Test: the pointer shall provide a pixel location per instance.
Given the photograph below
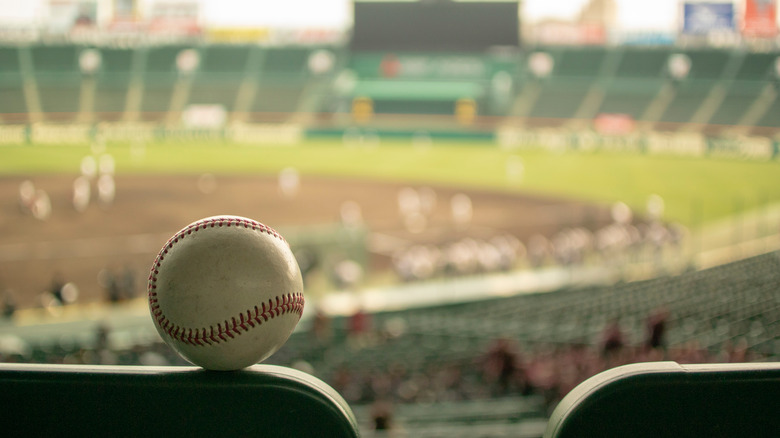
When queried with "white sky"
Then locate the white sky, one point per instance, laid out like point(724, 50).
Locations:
point(661, 15)
point(631, 14)
point(325, 13)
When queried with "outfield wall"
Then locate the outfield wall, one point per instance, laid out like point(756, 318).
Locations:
point(651, 143)
point(63, 134)
point(557, 140)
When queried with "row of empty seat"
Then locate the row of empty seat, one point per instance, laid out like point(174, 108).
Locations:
point(584, 82)
point(276, 77)
point(632, 79)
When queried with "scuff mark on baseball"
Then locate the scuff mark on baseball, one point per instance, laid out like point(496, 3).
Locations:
point(225, 292)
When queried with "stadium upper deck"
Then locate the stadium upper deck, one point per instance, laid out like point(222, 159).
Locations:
point(664, 88)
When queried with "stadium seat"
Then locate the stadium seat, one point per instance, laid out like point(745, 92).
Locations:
point(11, 92)
point(666, 399)
point(739, 96)
point(281, 81)
point(160, 77)
point(630, 95)
point(81, 400)
point(689, 96)
point(647, 63)
point(58, 80)
point(581, 61)
point(113, 82)
point(220, 76)
point(708, 64)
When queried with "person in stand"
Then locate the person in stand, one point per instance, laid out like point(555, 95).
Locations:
point(613, 341)
point(382, 415)
point(656, 330)
point(503, 366)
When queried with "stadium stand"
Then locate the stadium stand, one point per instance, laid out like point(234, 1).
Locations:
point(709, 64)
point(756, 67)
point(638, 79)
point(723, 90)
point(770, 118)
point(160, 79)
point(575, 74)
point(688, 98)
point(439, 368)
point(646, 63)
point(586, 62)
point(12, 101)
point(629, 97)
point(113, 83)
point(282, 62)
point(560, 98)
point(281, 83)
point(416, 95)
point(751, 93)
point(739, 96)
point(220, 76)
point(58, 80)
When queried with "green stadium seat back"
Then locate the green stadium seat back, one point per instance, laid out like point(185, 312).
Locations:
point(57, 58)
point(113, 81)
point(225, 59)
point(756, 66)
point(708, 63)
point(82, 400)
point(644, 63)
point(287, 61)
point(666, 399)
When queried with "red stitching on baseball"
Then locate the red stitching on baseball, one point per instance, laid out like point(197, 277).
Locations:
point(290, 303)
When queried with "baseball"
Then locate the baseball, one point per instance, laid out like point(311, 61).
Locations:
point(225, 292)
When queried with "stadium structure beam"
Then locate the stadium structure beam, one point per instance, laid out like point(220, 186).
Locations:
point(314, 93)
point(757, 110)
point(590, 105)
point(657, 106)
point(135, 89)
point(247, 91)
point(87, 99)
point(29, 86)
point(716, 96)
point(524, 102)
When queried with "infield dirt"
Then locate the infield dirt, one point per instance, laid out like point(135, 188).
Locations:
point(148, 209)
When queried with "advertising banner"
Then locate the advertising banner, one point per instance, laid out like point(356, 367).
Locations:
point(421, 66)
point(238, 35)
point(707, 18)
point(125, 10)
point(760, 19)
point(645, 38)
point(614, 124)
point(177, 18)
point(67, 16)
point(566, 34)
point(126, 21)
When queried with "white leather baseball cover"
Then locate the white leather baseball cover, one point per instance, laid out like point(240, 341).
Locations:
point(225, 292)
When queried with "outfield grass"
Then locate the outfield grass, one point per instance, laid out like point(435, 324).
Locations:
point(695, 190)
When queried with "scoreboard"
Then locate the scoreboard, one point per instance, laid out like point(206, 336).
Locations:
point(435, 25)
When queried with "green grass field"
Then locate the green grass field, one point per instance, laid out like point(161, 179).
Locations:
point(695, 190)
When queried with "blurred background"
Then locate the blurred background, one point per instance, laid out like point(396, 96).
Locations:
point(490, 201)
